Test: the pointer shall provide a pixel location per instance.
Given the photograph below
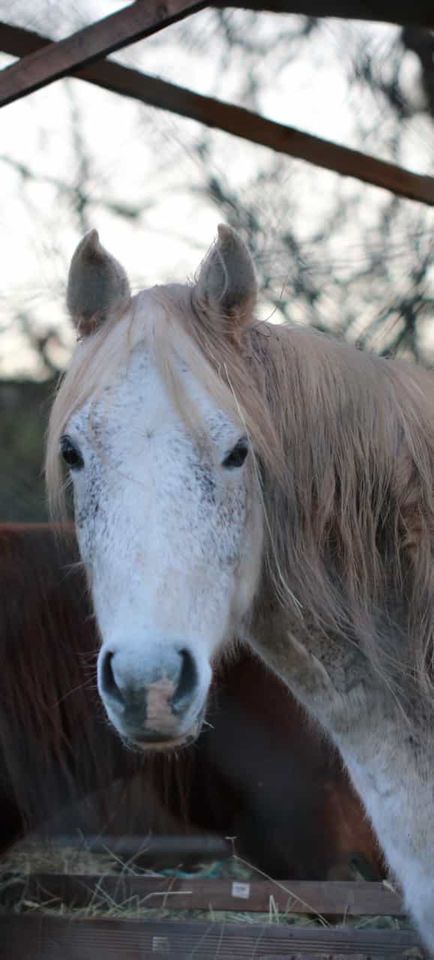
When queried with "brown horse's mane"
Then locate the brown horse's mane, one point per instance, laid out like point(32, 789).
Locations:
point(55, 747)
point(344, 445)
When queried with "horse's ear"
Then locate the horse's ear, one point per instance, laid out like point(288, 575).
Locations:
point(227, 280)
point(97, 285)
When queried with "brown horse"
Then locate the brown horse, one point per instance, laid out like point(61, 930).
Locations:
point(259, 772)
point(235, 479)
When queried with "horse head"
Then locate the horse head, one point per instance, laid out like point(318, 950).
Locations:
point(164, 478)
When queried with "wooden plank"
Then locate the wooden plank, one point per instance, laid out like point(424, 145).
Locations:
point(283, 139)
point(420, 13)
point(18, 42)
point(144, 850)
point(42, 937)
point(240, 122)
point(135, 22)
point(337, 899)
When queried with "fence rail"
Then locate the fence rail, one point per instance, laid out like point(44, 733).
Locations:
point(42, 937)
point(331, 898)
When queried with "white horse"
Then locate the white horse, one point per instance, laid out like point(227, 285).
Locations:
point(235, 480)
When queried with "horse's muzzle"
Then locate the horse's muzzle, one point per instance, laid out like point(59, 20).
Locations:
point(151, 703)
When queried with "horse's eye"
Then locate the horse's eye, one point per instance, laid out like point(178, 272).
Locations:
point(71, 453)
point(238, 454)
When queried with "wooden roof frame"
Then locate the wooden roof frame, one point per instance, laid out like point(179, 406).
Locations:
point(82, 55)
point(401, 12)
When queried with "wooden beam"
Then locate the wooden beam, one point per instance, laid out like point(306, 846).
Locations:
point(279, 137)
point(314, 898)
point(139, 20)
point(39, 936)
point(404, 12)
point(19, 42)
point(170, 849)
point(239, 122)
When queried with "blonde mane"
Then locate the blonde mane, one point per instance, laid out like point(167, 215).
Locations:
point(344, 444)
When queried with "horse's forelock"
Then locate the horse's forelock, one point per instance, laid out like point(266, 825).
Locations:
point(166, 319)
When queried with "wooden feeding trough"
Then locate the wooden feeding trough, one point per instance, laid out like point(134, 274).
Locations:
point(128, 912)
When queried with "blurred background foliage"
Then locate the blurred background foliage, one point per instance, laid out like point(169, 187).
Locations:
point(24, 406)
point(329, 251)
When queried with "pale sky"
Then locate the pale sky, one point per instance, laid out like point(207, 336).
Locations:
point(141, 155)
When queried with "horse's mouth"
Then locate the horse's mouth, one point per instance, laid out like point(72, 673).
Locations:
point(149, 742)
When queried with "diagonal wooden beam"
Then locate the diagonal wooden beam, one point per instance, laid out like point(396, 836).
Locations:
point(419, 13)
point(139, 20)
point(235, 120)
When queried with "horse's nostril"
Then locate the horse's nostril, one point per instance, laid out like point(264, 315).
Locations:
point(187, 682)
point(107, 679)
point(147, 694)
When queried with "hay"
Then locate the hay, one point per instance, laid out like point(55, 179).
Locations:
point(27, 859)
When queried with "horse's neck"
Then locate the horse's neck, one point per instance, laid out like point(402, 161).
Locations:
point(391, 764)
point(390, 758)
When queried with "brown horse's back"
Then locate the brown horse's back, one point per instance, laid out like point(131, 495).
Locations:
point(261, 772)
point(281, 784)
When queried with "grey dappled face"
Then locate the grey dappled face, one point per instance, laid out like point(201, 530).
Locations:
point(170, 531)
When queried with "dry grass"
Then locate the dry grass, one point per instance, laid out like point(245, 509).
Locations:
point(36, 858)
